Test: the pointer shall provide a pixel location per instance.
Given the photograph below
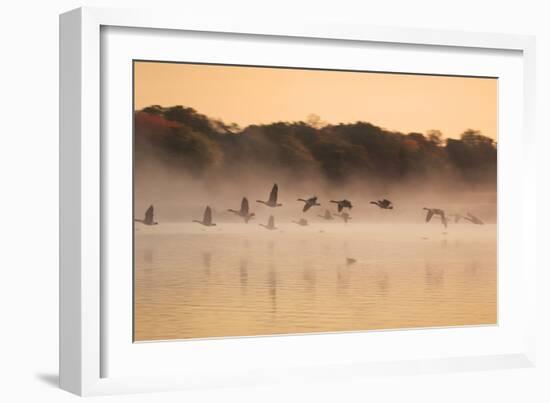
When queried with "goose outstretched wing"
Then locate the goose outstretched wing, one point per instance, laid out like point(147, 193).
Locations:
point(149, 214)
point(474, 219)
point(309, 203)
point(244, 206)
point(340, 204)
point(207, 220)
point(273, 194)
point(429, 215)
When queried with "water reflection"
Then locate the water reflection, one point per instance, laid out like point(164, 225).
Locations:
point(433, 277)
point(148, 277)
point(148, 255)
point(343, 274)
point(382, 282)
point(471, 269)
point(233, 283)
point(243, 274)
point(308, 275)
point(272, 286)
point(206, 262)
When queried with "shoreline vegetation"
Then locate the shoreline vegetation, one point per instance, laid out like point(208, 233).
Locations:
point(183, 140)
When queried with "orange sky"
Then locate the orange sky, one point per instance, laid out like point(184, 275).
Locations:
point(253, 95)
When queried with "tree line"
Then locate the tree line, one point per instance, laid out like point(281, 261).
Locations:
point(183, 139)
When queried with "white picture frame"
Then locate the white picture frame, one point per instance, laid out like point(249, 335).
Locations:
point(87, 348)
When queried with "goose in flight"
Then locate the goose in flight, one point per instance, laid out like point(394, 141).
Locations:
point(473, 219)
point(272, 202)
point(312, 201)
point(344, 216)
point(244, 211)
point(384, 203)
point(149, 217)
point(270, 224)
point(327, 215)
point(302, 222)
point(207, 218)
point(342, 204)
point(438, 212)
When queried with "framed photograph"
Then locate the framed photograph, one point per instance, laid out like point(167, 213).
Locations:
point(245, 202)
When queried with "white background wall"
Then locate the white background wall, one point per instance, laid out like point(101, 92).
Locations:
point(29, 201)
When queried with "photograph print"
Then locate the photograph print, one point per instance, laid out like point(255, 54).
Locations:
point(275, 201)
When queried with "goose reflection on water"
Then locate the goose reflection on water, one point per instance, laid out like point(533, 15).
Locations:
point(343, 275)
point(272, 286)
point(206, 262)
point(382, 282)
point(270, 224)
point(327, 215)
point(434, 277)
point(309, 276)
point(148, 255)
point(471, 270)
point(243, 273)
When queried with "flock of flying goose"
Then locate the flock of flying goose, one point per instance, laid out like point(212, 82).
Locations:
point(246, 215)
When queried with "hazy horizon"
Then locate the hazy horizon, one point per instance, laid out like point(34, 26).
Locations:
point(263, 95)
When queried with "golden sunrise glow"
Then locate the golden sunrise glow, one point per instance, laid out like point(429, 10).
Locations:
point(253, 95)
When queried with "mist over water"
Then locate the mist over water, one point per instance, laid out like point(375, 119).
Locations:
point(239, 279)
point(183, 198)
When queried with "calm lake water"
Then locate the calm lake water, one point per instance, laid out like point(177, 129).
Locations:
point(242, 280)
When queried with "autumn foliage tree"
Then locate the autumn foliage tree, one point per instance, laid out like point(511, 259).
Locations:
point(183, 139)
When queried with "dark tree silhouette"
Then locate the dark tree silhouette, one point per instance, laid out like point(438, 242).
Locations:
point(184, 139)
